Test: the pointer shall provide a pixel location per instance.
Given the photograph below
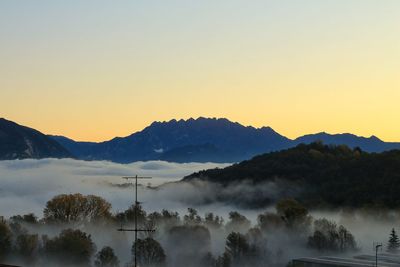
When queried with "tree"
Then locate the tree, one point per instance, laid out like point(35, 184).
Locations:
point(325, 236)
point(149, 252)
point(192, 218)
point(76, 208)
point(213, 221)
point(27, 218)
point(346, 240)
point(269, 221)
point(193, 241)
point(294, 214)
point(318, 241)
point(73, 247)
point(165, 220)
point(223, 261)
point(26, 246)
point(328, 237)
point(106, 258)
point(237, 222)
point(237, 247)
point(5, 239)
point(393, 243)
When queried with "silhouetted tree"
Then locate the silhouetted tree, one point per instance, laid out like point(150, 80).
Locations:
point(192, 218)
point(73, 247)
point(237, 247)
point(29, 218)
point(294, 214)
point(213, 221)
point(237, 223)
point(393, 243)
point(164, 220)
point(327, 237)
point(269, 221)
point(223, 261)
point(27, 247)
point(318, 241)
point(346, 240)
point(149, 253)
point(106, 258)
point(5, 239)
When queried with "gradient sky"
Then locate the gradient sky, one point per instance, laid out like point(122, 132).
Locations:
point(92, 70)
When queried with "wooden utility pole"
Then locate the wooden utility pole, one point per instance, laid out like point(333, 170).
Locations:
point(136, 230)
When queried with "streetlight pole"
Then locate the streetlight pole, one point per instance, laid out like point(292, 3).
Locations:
point(377, 246)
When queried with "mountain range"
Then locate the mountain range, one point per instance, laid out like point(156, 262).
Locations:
point(192, 140)
point(20, 142)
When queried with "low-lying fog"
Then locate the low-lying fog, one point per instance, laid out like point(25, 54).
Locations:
point(26, 186)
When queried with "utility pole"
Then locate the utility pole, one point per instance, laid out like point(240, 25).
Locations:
point(136, 230)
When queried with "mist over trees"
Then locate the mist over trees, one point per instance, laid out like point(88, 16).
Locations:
point(187, 240)
point(321, 176)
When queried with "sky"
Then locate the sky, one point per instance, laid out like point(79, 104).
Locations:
point(92, 70)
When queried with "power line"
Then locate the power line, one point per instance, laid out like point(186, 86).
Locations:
point(136, 229)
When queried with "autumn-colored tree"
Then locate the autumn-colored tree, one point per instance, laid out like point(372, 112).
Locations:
point(74, 208)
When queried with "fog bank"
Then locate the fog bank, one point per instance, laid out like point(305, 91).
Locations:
point(26, 185)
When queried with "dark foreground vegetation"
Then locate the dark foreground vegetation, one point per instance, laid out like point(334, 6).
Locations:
point(319, 175)
point(62, 237)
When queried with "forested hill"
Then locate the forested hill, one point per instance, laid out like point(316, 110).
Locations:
point(324, 175)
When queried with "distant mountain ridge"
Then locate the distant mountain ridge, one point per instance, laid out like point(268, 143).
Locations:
point(200, 140)
point(369, 144)
point(20, 142)
point(205, 140)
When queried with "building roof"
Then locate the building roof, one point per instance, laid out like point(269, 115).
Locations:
point(357, 261)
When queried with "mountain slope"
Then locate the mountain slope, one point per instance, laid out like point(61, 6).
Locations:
point(19, 142)
point(322, 175)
